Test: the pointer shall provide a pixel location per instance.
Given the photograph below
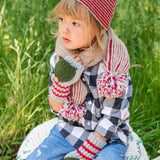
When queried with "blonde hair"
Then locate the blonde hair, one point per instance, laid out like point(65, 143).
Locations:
point(75, 9)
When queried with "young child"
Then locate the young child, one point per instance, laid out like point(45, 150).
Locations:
point(90, 88)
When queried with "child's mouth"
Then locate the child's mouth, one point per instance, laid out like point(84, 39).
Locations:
point(66, 40)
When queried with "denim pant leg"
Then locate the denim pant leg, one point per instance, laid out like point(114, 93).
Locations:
point(54, 147)
point(113, 151)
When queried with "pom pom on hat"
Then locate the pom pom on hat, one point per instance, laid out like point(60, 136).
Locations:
point(102, 10)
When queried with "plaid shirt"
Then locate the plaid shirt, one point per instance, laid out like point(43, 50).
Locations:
point(109, 117)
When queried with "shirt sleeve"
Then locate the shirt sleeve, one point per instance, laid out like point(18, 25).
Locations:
point(53, 61)
point(114, 112)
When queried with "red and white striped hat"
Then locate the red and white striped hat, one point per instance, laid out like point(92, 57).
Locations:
point(102, 10)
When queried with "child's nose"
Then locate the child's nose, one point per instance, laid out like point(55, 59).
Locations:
point(66, 28)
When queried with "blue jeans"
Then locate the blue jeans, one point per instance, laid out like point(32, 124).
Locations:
point(113, 151)
point(55, 147)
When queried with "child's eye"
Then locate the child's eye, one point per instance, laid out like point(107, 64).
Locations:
point(75, 24)
point(61, 19)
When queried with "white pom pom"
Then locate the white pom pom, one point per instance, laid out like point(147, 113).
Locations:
point(111, 85)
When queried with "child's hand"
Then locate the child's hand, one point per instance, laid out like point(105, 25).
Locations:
point(67, 72)
point(55, 105)
point(77, 58)
point(93, 144)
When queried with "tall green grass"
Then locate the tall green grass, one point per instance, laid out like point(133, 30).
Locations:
point(26, 45)
point(138, 25)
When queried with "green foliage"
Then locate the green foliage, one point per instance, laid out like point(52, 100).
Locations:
point(26, 45)
point(137, 24)
point(25, 48)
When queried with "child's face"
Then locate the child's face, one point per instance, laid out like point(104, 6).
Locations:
point(72, 32)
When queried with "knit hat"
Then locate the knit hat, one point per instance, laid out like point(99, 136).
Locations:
point(102, 10)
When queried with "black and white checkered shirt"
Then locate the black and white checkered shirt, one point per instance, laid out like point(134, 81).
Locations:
point(109, 117)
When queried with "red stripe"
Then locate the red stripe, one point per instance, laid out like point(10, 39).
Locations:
point(83, 155)
point(103, 10)
point(100, 13)
point(127, 67)
point(58, 94)
point(101, 16)
point(89, 151)
point(91, 144)
point(61, 91)
point(60, 85)
point(110, 53)
point(117, 67)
